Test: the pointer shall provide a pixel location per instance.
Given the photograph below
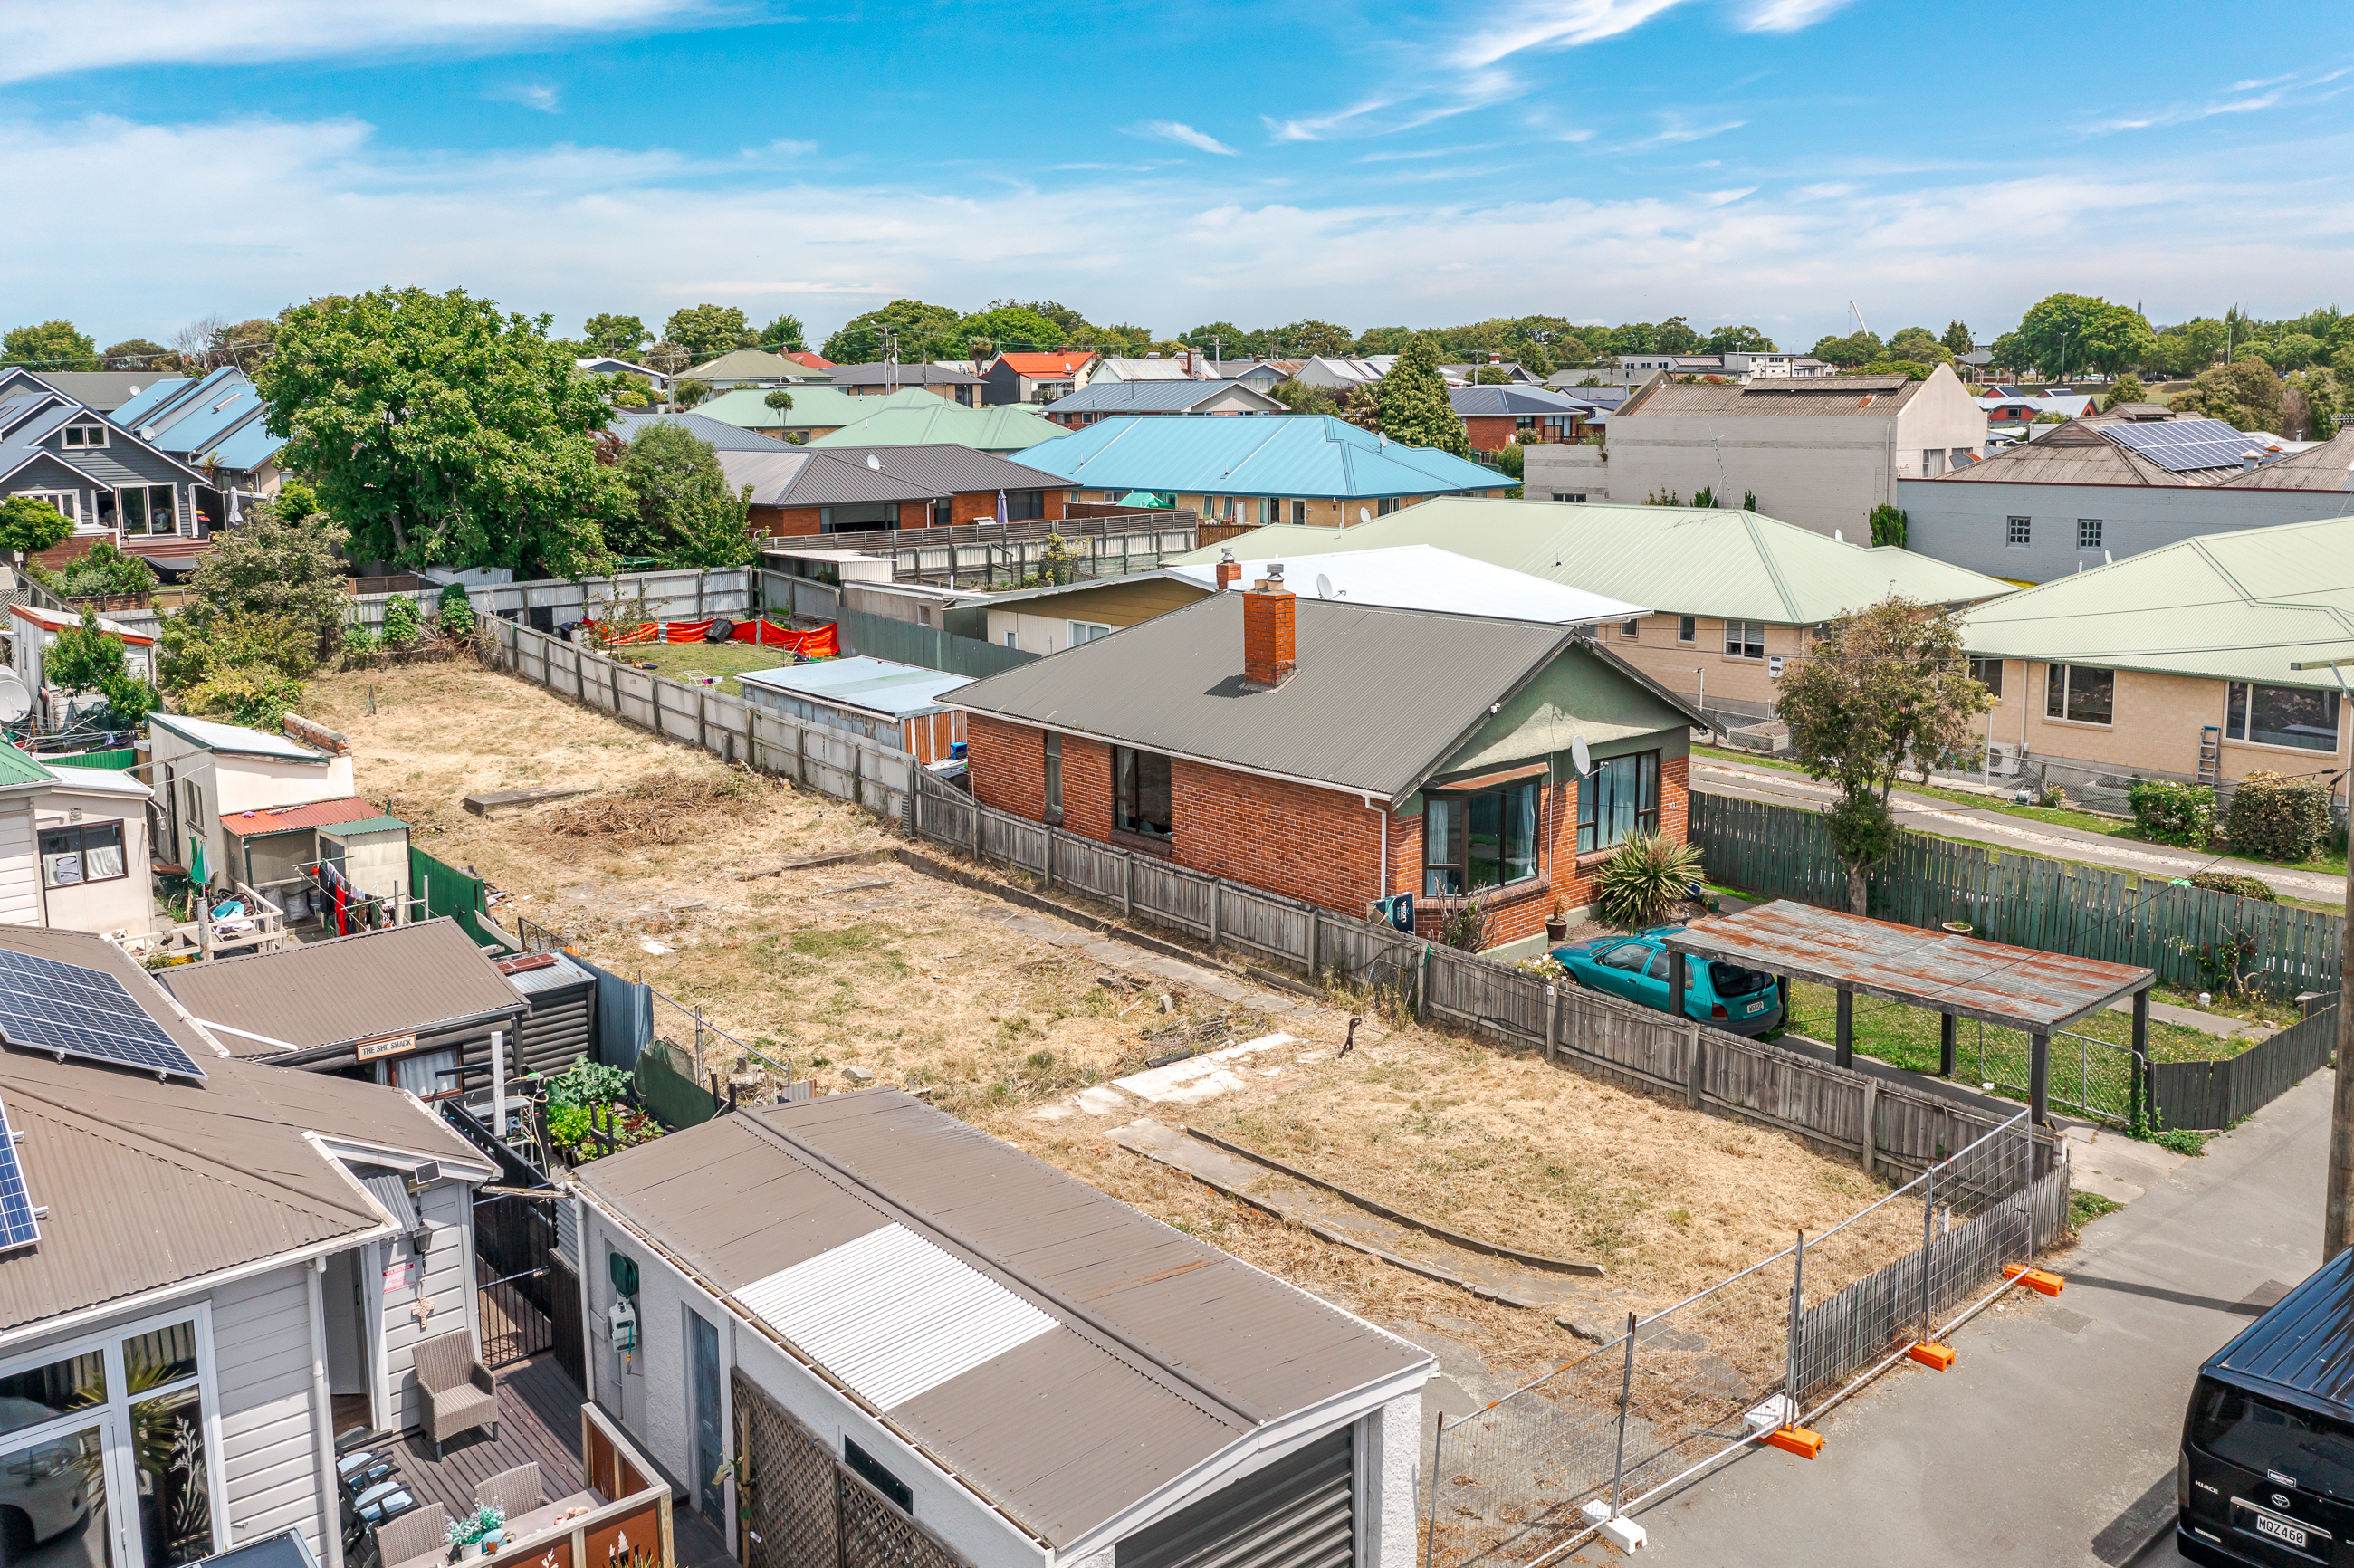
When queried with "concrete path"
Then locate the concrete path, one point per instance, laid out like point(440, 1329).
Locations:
point(2052, 1440)
point(1927, 814)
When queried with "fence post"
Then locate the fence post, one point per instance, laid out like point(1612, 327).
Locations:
point(1928, 1240)
point(801, 754)
point(1870, 1126)
point(1315, 937)
point(1127, 884)
point(1797, 1318)
point(698, 1020)
point(1626, 1397)
point(1695, 1065)
point(1217, 909)
point(976, 829)
point(2140, 1056)
point(1944, 1044)
point(1553, 1023)
point(1430, 1537)
point(1050, 860)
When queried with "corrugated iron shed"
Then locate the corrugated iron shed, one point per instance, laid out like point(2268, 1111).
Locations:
point(2018, 987)
point(1157, 1351)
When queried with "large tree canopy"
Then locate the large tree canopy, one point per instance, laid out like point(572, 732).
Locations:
point(620, 337)
point(922, 331)
point(707, 331)
point(1413, 404)
point(683, 512)
point(443, 432)
point(2067, 333)
point(784, 335)
point(50, 345)
point(1004, 328)
point(2245, 395)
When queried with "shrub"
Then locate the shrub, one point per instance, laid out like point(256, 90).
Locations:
point(455, 611)
point(105, 570)
point(401, 621)
point(2278, 819)
point(586, 1082)
point(1888, 524)
point(1644, 882)
point(251, 695)
point(2171, 813)
point(2231, 882)
point(1468, 926)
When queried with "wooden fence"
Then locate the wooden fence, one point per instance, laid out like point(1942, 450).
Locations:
point(830, 761)
point(684, 595)
point(2209, 1095)
point(1893, 1130)
point(2027, 900)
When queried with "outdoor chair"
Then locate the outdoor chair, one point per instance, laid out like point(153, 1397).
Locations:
point(421, 1532)
point(459, 1395)
point(513, 1492)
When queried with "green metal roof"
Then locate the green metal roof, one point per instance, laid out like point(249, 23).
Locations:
point(18, 770)
point(814, 408)
point(365, 825)
point(915, 417)
point(1679, 559)
point(2241, 606)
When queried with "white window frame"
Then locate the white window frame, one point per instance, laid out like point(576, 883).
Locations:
point(113, 1417)
point(147, 504)
point(66, 502)
point(84, 429)
point(1088, 630)
point(1630, 628)
point(1737, 640)
point(2017, 533)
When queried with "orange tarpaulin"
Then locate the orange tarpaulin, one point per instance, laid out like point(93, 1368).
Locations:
point(825, 643)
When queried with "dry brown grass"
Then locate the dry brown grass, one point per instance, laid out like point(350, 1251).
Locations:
point(924, 983)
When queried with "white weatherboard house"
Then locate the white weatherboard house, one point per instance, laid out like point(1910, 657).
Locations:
point(204, 1256)
point(933, 1350)
point(73, 847)
point(206, 771)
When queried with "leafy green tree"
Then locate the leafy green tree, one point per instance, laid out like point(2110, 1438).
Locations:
point(620, 337)
point(1956, 340)
point(1847, 353)
point(1491, 376)
point(1888, 684)
point(48, 346)
point(202, 644)
point(707, 331)
point(2127, 388)
point(139, 354)
point(2293, 352)
point(688, 392)
point(103, 569)
point(2084, 332)
point(454, 611)
point(1227, 340)
point(86, 659)
point(1301, 397)
point(443, 432)
point(1415, 409)
point(28, 526)
point(1889, 526)
point(1737, 340)
point(1126, 340)
point(1920, 345)
point(922, 331)
point(1004, 329)
point(2311, 401)
point(1912, 368)
point(2009, 353)
point(1308, 336)
point(784, 335)
point(2245, 395)
point(1675, 335)
point(782, 401)
point(683, 510)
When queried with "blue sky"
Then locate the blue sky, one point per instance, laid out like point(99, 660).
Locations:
point(1168, 162)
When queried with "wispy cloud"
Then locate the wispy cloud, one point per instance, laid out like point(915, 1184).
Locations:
point(1553, 24)
point(53, 40)
point(1674, 131)
point(1184, 135)
point(547, 99)
point(1788, 16)
point(2241, 97)
point(1396, 157)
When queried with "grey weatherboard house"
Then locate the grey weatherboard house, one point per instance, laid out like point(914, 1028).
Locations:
point(107, 481)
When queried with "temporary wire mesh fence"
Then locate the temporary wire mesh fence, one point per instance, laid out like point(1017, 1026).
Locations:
point(1718, 1372)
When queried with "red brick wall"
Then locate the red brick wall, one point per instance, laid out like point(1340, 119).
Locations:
point(68, 550)
point(1491, 433)
point(980, 506)
point(784, 520)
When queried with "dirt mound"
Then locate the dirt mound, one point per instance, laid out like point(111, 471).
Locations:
point(664, 808)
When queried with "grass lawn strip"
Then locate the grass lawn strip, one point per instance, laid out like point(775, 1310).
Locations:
point(727, 660)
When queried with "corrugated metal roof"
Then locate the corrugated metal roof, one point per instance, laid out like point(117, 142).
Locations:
point(15, 768)
point(946, 470)
point(366, 825)
point(1492, 401)
point(561, 975)
point(1269, 454)
point(727, 435)
point(236, 739)
point(2237, 606)
point(922, 373)
point(152, 1184)
point(1177, 396)
point(892, 1315)
point(1381, 695)
point(919, 419)
point(1685, 560)
point(390, 1188)
point(2020, 988)
point(151, 396)
point(876, 685)
point(58, 621)
point(815, 407)
point(1778, 397)
point(2075, 453)
point(287, 819)
point(1166, 1352)
point(1065, 362)
point(796, 476)
point(2330, 466)
point(746, 363)
point(407, 979)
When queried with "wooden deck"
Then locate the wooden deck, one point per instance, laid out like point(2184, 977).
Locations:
point(539, 1419)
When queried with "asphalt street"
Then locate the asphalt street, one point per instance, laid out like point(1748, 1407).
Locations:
point(1927, 814)
point(2052, 1440)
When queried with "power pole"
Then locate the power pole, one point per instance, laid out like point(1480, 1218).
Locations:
point(2337, 1216)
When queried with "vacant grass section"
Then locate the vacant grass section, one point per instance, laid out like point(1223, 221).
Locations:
point(921, 983)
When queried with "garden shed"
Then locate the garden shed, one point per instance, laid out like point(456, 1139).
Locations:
point(561, 1024)
point(1948, 972)
point(893, 704)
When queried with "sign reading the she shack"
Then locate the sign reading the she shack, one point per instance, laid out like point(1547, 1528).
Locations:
point(390, 1045)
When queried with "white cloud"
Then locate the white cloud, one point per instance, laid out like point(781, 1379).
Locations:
point(1675, 131)
point(576, 229)
point(547, 99)
point(51, 40)
point(1554, 25)
point(2297, 88)
point(1788, 16)
point(1184, 135)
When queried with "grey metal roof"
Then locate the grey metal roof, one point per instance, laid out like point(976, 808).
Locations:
point(727, 438)
point(409, 978)
point(920, 375)
point(561, 975)
point(1381, 697)
point(949, 470)
point(1488, 402)
point(1119, 1353)
point(2330, 466)
point(783, 475)
point(1817, 396)
point(871, 685)
point(2075, 453)
point(153, 1183)
point(1174, 396)
point(2019, 988)
point(390, 1188)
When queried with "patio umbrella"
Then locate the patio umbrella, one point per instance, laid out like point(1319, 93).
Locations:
point(1001, 509)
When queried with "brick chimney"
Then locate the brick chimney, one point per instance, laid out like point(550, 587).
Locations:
point(1268, 658)
point(1230, 571)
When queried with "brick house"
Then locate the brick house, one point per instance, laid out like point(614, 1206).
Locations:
point(1340, 753)
point(1496, 417)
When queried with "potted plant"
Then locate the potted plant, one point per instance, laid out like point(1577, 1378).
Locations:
point(476, 1533)
point(1557, 919)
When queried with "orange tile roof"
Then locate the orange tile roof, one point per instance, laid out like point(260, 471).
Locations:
point(286, 819)
point(812, 358)
point(1065, 362)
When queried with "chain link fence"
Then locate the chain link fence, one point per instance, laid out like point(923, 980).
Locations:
point(1534, 1474)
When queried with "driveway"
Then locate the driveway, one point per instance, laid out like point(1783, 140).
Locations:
point(2052, 1440)
point(1926, 814)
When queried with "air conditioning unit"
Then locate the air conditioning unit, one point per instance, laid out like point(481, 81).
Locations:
point(2002, 761)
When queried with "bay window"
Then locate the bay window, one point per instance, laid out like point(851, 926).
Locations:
point(1474, 840)
point(2282, 715)
point(1617, 801)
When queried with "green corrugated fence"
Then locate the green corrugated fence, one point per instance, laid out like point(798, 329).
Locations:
point(666, 1081)
point(2027, 900)
point(113, 761)
point(445, 890)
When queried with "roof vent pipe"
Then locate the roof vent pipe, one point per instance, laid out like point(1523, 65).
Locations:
point(1230, 571)
point(2247, 461)
point(1270, 646)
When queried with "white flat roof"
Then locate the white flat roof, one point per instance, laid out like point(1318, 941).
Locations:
point(877, 685)
point(1424, 577)
point(236, 739)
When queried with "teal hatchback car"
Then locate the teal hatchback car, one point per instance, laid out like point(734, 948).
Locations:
point(1745, 1002)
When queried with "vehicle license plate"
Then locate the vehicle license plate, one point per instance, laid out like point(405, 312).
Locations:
point(2281, 1530)
point(1756, 1007)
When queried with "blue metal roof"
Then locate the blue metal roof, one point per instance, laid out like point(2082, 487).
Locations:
point(128, 414)
point(1271, 454)
point(245, 449)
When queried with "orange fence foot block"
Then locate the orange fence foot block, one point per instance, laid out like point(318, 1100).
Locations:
point(1937, 1357)
point(1796, 1440)
point(2035, 1279)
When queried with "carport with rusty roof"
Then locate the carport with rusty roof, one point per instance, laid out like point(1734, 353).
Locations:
point(1951, 974)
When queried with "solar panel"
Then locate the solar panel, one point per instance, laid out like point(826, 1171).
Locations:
point(17, 1226)
point(77, 1012)
point(2184, 446)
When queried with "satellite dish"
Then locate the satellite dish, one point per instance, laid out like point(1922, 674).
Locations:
point(16, 702)
point(1581, 756)
point(1323, 586)
point(1365, 513)
point(872, 462)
